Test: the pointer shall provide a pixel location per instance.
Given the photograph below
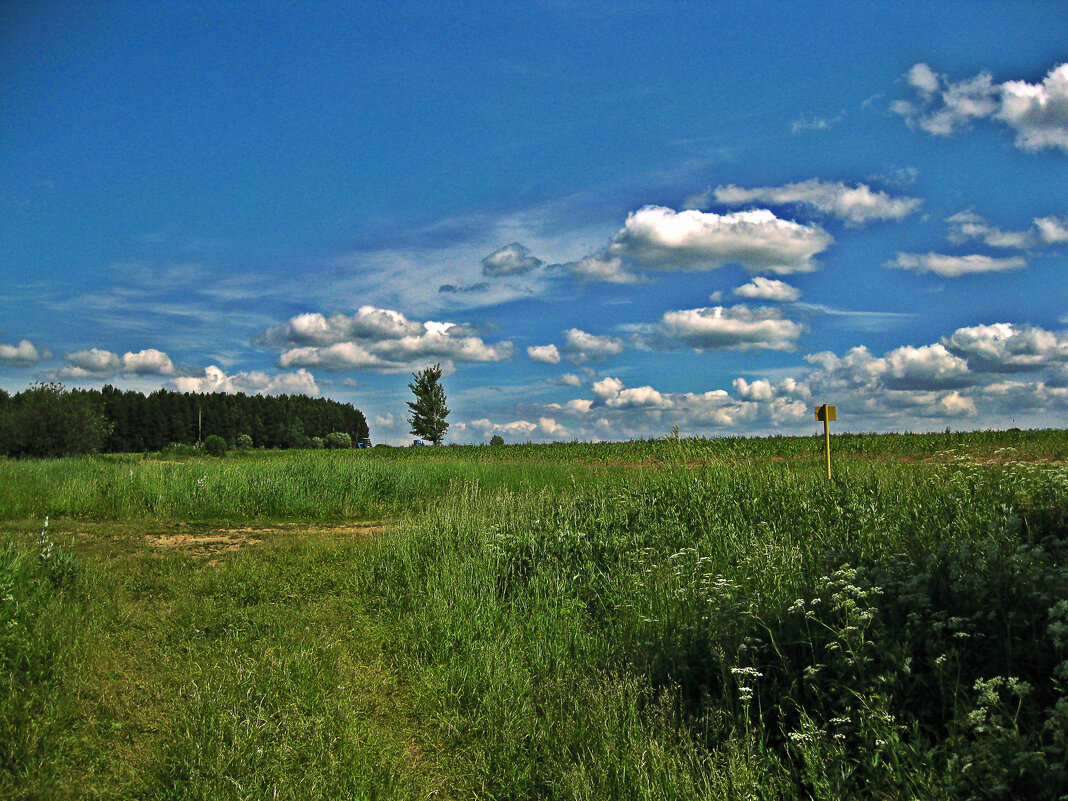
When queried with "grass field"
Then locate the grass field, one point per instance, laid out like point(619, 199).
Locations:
point(670, 619)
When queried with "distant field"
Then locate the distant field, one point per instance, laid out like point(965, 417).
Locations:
point(664, 619)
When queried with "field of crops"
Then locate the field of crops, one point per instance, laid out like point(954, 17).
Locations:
point(671, 619)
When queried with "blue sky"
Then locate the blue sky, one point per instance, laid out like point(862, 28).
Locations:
point(602, 219)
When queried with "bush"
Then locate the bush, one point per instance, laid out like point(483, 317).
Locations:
point(316, 443)
point(215, 445)
point(496, 439)
point(338, 439)
point(244, 442)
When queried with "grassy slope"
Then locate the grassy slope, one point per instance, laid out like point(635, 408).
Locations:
point(542, 627)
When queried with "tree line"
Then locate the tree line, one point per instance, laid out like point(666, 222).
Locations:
point(48, 420)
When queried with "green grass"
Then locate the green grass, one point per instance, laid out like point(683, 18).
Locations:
point(670, 619)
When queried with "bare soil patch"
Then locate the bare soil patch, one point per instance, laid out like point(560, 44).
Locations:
point(217, 541)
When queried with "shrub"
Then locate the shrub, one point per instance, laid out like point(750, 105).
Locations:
point(316, 443)
point(496, 439)
point(215, 445)
point(244, 442)
point(338, 439)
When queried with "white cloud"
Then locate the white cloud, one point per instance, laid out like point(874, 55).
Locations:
point(759, 390)
point(805, 123)
point(520, 429)
point(313, 328)
point(856, 205)
point(967, 225)
point(93, 360)
point(256, 382)
point(148, 362)
point(380, 340)
point(513, 259)
point(1008, 347)
point(1036, 112)
point(1052, 230)
point(660, 238)
point(955, 266)
point(923, 78)
point(551, 428)
point(638, 398)
point(601, 267)
point(926, 368)
point(607, 387)
point(761, 288)
point(96, 362)
point(566, 380)
point(24, 354)
point(731, 328)
point(581, 347)
point(544, 354)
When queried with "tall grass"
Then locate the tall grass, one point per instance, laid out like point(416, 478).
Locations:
point(746, 633)
point(562, 624)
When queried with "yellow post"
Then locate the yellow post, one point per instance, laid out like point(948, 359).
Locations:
point(827, 413)
point(827, 445)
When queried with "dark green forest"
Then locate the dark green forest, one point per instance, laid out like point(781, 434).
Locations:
point(49, 420)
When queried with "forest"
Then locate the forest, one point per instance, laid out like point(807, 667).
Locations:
point(48, 420)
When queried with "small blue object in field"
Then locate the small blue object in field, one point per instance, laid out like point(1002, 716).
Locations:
point(417, 442)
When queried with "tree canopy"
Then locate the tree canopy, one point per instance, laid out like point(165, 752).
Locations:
point(48, 420)
point(428, 409)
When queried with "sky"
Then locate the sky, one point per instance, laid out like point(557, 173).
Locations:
point(602, 219)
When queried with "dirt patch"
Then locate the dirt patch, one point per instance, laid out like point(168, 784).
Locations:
point(213, 543)
point(205, 544)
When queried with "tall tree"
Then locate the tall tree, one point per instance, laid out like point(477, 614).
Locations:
point(428, 409)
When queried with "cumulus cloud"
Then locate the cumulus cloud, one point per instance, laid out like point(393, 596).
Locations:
point(380, 340)
point(928, 367)
point(660, 238)
point(581, 347)
point(761, 288)
point(544, 354)
point(632, 409)
point(1008, 347)
point(97, 363)
point(520, 429)
point(566, 380)
point(922, 78)
point(1052, 230)
point(148, 362)
point(215, 379)
point(601, 267)
point(737, 327)
point(313, 328)
point(955, 266)
point(856, 205)
point(759, 390)
point(962, 377)
point(1036, 112)
point(513, 259)
point(24, 354)
point(966, 225)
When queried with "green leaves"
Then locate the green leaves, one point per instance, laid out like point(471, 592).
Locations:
point(428, 409)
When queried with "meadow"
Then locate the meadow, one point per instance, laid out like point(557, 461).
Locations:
point(670, 619)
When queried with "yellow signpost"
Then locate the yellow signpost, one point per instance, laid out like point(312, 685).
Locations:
point(827, 414)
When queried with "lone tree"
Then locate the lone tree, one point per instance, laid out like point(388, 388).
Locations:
point(428, 409)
